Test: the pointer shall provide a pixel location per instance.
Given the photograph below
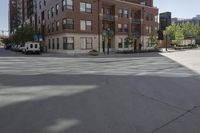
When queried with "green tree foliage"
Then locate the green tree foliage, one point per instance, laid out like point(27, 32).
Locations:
point(197, 31)
point(129, 40)
point(154, 40)
point(179, 37)
point(6, 41)
point(178, 32)
point(171, 31)
point(189, 30)
point(23, 34)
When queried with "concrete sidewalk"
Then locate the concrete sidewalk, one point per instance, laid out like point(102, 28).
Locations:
point(188, 58)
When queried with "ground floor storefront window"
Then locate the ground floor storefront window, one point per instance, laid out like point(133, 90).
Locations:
point(68, 43)
point(86, 42)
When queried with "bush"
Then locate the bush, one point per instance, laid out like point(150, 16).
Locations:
point(93, 52)
point(139, 51)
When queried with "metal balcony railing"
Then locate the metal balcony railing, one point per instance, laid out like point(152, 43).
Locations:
point(108, 17)
point(136, 33)
point(136, 21)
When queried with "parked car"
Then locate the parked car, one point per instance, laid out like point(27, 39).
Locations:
point(7, 46)
point(18, 48)
point(21, 48)
point(31, 48)
point(13, 47)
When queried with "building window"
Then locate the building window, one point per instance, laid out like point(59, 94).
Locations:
point(53, 44)
point(108, 11)
point(86, 42)
point(149, 17)
point(156, 29)
point(52, 27)
point(49, 44)
point(49, 13)
point(125, 13)
point(156, 18)
point(48, 28)
point(45, 2)
point(52, 11)
point(57, 25)
point(120, 27)
point(40, 4)
point(57, 9)
point(143, 3)
point(125, 27)
point(120, 13)
point(68, 43)
point(68, 4)
point(125, 44)
point(39, 20)
point(68, 23)
point(58, 44)
point(120, 43)
point(85, 7)
point(148, 29)
point(39, 30)
point(86, 25)
point(102, 10)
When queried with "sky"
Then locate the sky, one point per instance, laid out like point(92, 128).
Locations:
point(4, 15)
point(179, 8)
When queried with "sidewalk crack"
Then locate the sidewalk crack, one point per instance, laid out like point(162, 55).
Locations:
point(176, 118)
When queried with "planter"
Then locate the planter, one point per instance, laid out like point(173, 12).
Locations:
point(94, 53)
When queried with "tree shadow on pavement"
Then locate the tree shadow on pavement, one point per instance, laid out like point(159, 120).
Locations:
point(59, 103)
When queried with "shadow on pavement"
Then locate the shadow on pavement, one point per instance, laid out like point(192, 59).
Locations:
point(52, 103)
point(8, 53)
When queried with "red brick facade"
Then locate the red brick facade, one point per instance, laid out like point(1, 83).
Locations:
point(90, 18)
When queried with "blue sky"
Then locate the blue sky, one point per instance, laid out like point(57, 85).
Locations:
point(4, 15)
point(179, 8)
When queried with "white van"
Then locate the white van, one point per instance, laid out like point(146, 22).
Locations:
point(31, 48)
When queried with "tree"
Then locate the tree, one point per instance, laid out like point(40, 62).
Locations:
point(129, 40)
point(6, 41)
point(23, 34)
point(189, 30)
point(171, 31)
point(154, 40)
point(197, 31)
point(179, 37)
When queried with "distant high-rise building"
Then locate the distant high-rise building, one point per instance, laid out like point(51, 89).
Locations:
point(165, 20)
point(22, 12)
point(194, 20)
point(15, 14)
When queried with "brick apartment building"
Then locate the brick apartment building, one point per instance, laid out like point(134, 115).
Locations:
point(77, 26)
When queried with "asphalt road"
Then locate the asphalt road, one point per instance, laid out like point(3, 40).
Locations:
point(142, 93)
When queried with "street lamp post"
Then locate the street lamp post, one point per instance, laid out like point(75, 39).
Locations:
point(166, 38)
point(107, 34)
point(142, 26)
point(108, 45)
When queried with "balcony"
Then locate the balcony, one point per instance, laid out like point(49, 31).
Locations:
point(136, 21)
point(108, 33)
point(136, 34)
point(108, 17)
